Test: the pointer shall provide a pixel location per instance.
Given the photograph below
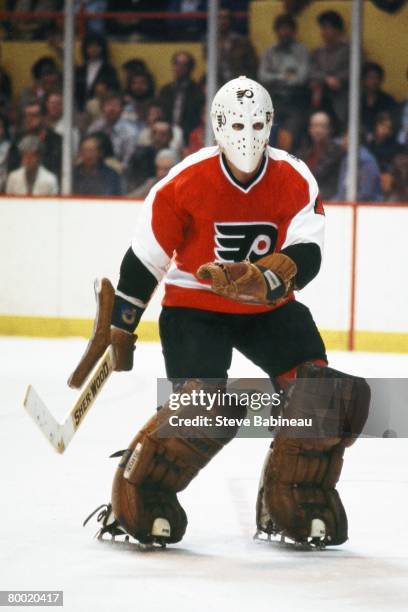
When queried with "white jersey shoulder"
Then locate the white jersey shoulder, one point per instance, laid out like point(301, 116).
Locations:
point(188, 162)
point(306, 226)
point(298, 165)
point(144, 243)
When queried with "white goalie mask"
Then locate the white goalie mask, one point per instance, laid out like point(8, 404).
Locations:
point(242, 116)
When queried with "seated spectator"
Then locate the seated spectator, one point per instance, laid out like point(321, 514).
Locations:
point(236, 54)
point(369, 177)
point(31, 178)
point(131, 67)
point(108, 155)
point(330, 67)
point(5, 90)
point(35, 28)
point(164, 161)
point(383, 143)
point(395, 182)
point(182, 98)
point(122, 133)
point(155, 113)
point(322, 154)
point(284, 71)
point(138, 96)
point(33, 124)
point(142, 162)
point(186, 29)
point(53, 110)
point(92, 176)
point(4, 149)
point(93, 107)
point(46, 77)
point(95, 65)
point(373, 99)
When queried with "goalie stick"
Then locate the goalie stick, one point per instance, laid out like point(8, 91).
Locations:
point(93, 370)
point(60, 435)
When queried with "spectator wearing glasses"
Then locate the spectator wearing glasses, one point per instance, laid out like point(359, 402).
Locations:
point(53, 109)
point(33, 124)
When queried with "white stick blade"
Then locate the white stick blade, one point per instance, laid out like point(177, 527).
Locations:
point(44, 419)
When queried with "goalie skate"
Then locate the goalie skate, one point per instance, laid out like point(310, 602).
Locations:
point(109, 525)
point(317, 539)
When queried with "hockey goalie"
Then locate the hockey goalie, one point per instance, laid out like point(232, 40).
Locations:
point(243, 224)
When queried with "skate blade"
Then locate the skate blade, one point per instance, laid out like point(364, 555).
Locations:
point(281, 541)
point(131, 544)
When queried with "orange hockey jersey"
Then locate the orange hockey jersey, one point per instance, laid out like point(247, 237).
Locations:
point(199, 213)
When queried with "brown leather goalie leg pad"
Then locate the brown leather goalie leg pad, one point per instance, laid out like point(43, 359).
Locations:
point(161, 461)
point(297, 488)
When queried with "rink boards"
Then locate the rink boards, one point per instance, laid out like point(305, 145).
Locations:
point(51, 250)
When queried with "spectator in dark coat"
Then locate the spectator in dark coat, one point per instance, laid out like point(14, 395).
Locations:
point(34, 125)
point(142, 163)
point(322, 154)
point(373, 99)
point(284, 71)
point(92, 176)
point(182, 99)
point(330, 67)
point(383, 144)
point(95, 65)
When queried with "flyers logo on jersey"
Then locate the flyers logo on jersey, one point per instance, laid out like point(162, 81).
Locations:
point(239, 241)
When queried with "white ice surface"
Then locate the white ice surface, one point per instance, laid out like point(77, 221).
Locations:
point(44, 498)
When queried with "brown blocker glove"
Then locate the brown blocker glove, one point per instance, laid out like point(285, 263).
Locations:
point(122, 341)
point(268, 281)
point(123, 344)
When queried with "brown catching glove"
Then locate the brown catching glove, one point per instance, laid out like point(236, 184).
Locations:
point(268, 281)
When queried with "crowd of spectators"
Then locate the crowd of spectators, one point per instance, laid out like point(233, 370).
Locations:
point(128, 133)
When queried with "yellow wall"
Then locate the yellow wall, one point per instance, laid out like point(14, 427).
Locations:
point(385, 36)
point(18, 57)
